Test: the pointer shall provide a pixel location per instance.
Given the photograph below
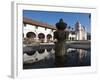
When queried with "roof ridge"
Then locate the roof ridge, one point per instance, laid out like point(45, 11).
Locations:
point(37, 23)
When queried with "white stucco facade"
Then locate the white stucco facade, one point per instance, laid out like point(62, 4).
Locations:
point(78, 32)
point(37, 30)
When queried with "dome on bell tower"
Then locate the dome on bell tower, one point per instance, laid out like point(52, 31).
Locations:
point(77, 26)
point(77, 22)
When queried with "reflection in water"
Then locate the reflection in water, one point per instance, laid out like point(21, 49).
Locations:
point(78, 57)
point(82, 54)
point(74, 57)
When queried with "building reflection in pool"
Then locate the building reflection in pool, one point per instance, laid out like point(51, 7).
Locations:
point(82, 54)
point(74, 57)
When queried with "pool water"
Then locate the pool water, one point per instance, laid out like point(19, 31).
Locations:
point(74, 58)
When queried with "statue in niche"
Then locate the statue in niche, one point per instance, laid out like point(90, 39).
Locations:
point(60, 37)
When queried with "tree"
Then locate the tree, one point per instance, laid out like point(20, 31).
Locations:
point(69, 27)
point(72, 29)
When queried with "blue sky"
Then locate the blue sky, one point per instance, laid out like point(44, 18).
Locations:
point(53, 17)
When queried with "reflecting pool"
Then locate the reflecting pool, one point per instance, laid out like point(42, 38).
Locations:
point(74, 58)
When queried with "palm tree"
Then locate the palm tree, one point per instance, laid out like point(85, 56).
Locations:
point(90, 20)
point(69, 27)
point(89, 16)
point(72, 29)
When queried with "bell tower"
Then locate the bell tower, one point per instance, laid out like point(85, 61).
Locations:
point(78, 30)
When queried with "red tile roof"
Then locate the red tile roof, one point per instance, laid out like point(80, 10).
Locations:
point(37, 23)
